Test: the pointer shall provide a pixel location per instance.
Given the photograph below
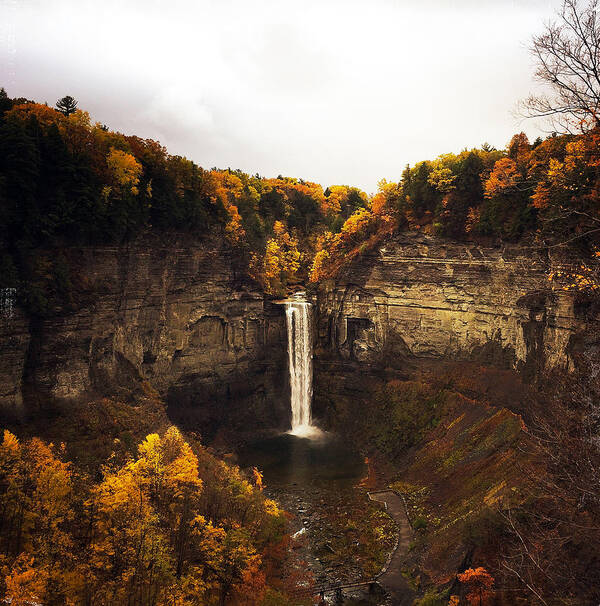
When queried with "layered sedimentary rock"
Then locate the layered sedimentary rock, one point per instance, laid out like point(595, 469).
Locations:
point(177, 316)
point(426, 298)
point(14, 345)
point(180, 317)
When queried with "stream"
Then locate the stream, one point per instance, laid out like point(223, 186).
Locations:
point(339, 535)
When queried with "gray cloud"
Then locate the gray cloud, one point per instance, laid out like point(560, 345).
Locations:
point(333, 91)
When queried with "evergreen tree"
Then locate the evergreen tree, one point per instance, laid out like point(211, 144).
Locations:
point(5, 102)
point(67, 105)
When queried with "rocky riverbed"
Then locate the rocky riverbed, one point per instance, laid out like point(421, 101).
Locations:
point(339, 535)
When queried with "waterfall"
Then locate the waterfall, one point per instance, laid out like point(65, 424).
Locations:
point(300, 354)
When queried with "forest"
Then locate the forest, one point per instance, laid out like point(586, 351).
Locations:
point(200, 532)
point(66, 180)
point(172, 525)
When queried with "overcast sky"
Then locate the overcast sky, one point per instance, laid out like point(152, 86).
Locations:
point(331, 91)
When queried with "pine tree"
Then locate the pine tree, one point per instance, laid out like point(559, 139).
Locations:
point(67, 105)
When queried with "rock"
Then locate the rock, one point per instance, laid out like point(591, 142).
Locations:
point(423, 297)
point(175, 314)
point(14, 344)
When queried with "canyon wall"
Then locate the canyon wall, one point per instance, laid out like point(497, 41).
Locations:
point(181, 318)
point(430, 355)
point(177, 316)
point(423, 297)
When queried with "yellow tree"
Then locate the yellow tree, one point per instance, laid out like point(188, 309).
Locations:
point(145, 512)
point(227, 188)
point(36, 507)
point(175, 486)
point(230, 559)
point(125, 171)
point(280, 263)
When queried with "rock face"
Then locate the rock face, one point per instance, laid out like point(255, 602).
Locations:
point(422, 297)
point(14, 345)
point(177, 316)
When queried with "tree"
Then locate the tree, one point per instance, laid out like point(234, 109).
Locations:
point(418, 191)
point(36, 512)
point(519, 148)
point(5, 102)
point(67, 105)
point(566, 193)
point(479, 581)
point(466, 193)
point(125, 170)
point(504, 179)
point(568, 62)
point(144, 512)
point(553, 526)
point(280, 263)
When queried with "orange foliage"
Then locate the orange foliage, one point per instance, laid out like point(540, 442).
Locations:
point(43, 114)
point(584, 278)
point(503, 179)
point(125, 170)
point(479, 582)
point(227, 188)
point(378, 204)
point(287, 187)
point(564, 183)
point(339, 198)
point(147, 539)
point(26, 583)
point(473, 218)
point(280, 263)
point(258, 478)
point(519, 148)
point(361, 231)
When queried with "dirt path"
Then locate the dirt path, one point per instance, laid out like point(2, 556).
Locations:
point(391, 578)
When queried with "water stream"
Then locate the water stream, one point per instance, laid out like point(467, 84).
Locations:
point(319, 479)
point(299, 332)
point(335, 528)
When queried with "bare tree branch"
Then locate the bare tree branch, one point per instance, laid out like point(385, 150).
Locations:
point(568, 58)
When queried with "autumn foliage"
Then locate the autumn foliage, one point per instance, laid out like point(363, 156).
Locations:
point(65, 178)
point(479, 583)
point(363, 229)
point(171, 525)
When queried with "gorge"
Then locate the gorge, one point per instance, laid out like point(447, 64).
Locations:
point(233, 365)
point(182, 320)
point(226, 388)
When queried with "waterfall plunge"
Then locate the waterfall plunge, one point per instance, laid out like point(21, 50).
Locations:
point(299, 333)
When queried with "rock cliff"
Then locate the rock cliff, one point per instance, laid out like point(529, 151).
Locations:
point(178, 315)
point(422, 297)
point(175, 315)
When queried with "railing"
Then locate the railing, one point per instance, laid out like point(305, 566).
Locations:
point(332, 588)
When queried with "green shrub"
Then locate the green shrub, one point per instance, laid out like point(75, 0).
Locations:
point(420, 523)
point(433, 598)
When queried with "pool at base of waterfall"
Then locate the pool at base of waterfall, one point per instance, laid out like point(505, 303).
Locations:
point(312, 432)
point(336, 531)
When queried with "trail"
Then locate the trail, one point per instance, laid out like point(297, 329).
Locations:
point(390, 577)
